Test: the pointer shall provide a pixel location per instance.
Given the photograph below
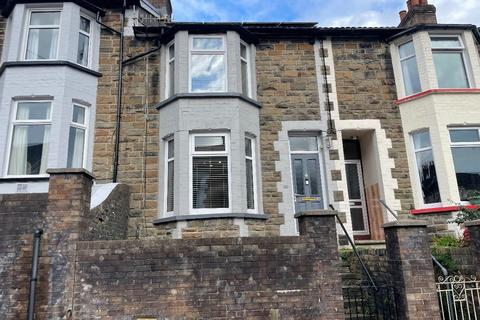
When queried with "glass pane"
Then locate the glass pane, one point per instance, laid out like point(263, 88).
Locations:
point(298, 176)
point(250, 193)
point(470, 135)
point(210, 143)
point(406, 50)
point(84, 25)
point(83, 44)
point(428, 176)
point(42, 44)
point(421, 140)
point(303, 144)
point(208, 73)
point(411, 77)
point(445, 42)
point(358, 224)
point(171, 149)
point(244, 78)
point(33, 111)
point(210, 182)
point(207, 43)
point(353, 181)
point(29, 154)
point(170, 184)
point(171, 78)
point(78, 115)
point(248, 147)
point(312, 167)
point(467, 169)
point(76, 144)
point(243, 51)
point(450, 70)
point(171, 52)
point(45, 18)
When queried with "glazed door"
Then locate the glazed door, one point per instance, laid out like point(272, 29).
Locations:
point(307, 182)
point(356, 194)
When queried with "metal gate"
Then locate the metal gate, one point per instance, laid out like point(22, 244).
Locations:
point(368, 302)
point(459, 297)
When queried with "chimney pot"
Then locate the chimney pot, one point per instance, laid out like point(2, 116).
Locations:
point(409, 5)
point(402, 14)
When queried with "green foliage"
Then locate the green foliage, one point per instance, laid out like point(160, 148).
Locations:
point(442, 254)
point(465, 214)
point(345, 253)
point(446, 241)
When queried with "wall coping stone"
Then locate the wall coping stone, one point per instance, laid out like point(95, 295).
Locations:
point(71, 171)
point(406, 224)
point(220, 95)
point(473, 223)
point(190, 217)
point(315, 213)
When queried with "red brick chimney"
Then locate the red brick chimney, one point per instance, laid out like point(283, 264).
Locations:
point(419, 12)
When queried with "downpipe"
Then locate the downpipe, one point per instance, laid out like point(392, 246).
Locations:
point(34, 275)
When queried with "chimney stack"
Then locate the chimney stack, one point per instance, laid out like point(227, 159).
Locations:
point(419, 12)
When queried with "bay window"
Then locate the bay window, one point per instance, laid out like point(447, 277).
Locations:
point(30, 138)
point(210, 173)
point(42, 35)
point(207, 64)
point(408, 62)
point(170, 160)
point(83, 42)
point(77, 138)
point(427, 175)
point(449, 60)
point(250, 173)
point(244, 68)
point(170, 88)
point(465, 144)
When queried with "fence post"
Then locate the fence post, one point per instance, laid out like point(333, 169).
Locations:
point(474, 230)
point(410, 264)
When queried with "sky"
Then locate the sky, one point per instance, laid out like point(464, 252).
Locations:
point(368, 13)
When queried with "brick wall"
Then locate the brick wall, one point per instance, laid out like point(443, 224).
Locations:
point(366, 90)
point(287, 89)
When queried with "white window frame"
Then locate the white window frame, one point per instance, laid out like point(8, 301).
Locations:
point(165, 184)
point(193, 154)
point(254, 173)
point(207, 52)
point(90, 42)
point(400, 59)
point(167, 67)
point(460, 145)
point(418, 183)
point(247, 60)
point(461, 49)
point(83, 127)
point(13, 122)
point(27, 28)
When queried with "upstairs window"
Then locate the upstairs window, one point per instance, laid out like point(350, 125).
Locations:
point(207, 64)
point(427, 174)
point(408, 61)
point(250, 173)
point(83, 42)
point(30, 138)
point(245, 65)
point(42, 35)
point(77, 140)
point(170, 88)
point(210, 173)
point(449, 59)
point(465, 144)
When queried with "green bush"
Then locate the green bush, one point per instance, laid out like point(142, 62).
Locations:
point(446, 241)
point(443, 256)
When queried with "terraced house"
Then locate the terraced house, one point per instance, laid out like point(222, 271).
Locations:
point(226, 130)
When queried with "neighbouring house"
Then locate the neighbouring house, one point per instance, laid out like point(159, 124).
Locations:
point(229, 129)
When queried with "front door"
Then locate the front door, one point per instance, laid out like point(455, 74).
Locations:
point(358, 208)
point(306, 181)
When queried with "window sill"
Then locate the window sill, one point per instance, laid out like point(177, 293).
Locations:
point(43, 63)
point(435, 91)
point(24, 179)
point(440, 209)
point(190, 217)
point(179, 96)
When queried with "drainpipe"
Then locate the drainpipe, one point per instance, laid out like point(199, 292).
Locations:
point(119, 96)
point(33, 278)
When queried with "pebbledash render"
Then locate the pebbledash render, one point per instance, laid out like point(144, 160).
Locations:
point(230, 129)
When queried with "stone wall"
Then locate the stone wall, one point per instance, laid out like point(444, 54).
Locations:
point(287, 89)
point(366, 90)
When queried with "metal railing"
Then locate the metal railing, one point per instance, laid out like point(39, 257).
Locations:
point(363, 302)
point(459, 297)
